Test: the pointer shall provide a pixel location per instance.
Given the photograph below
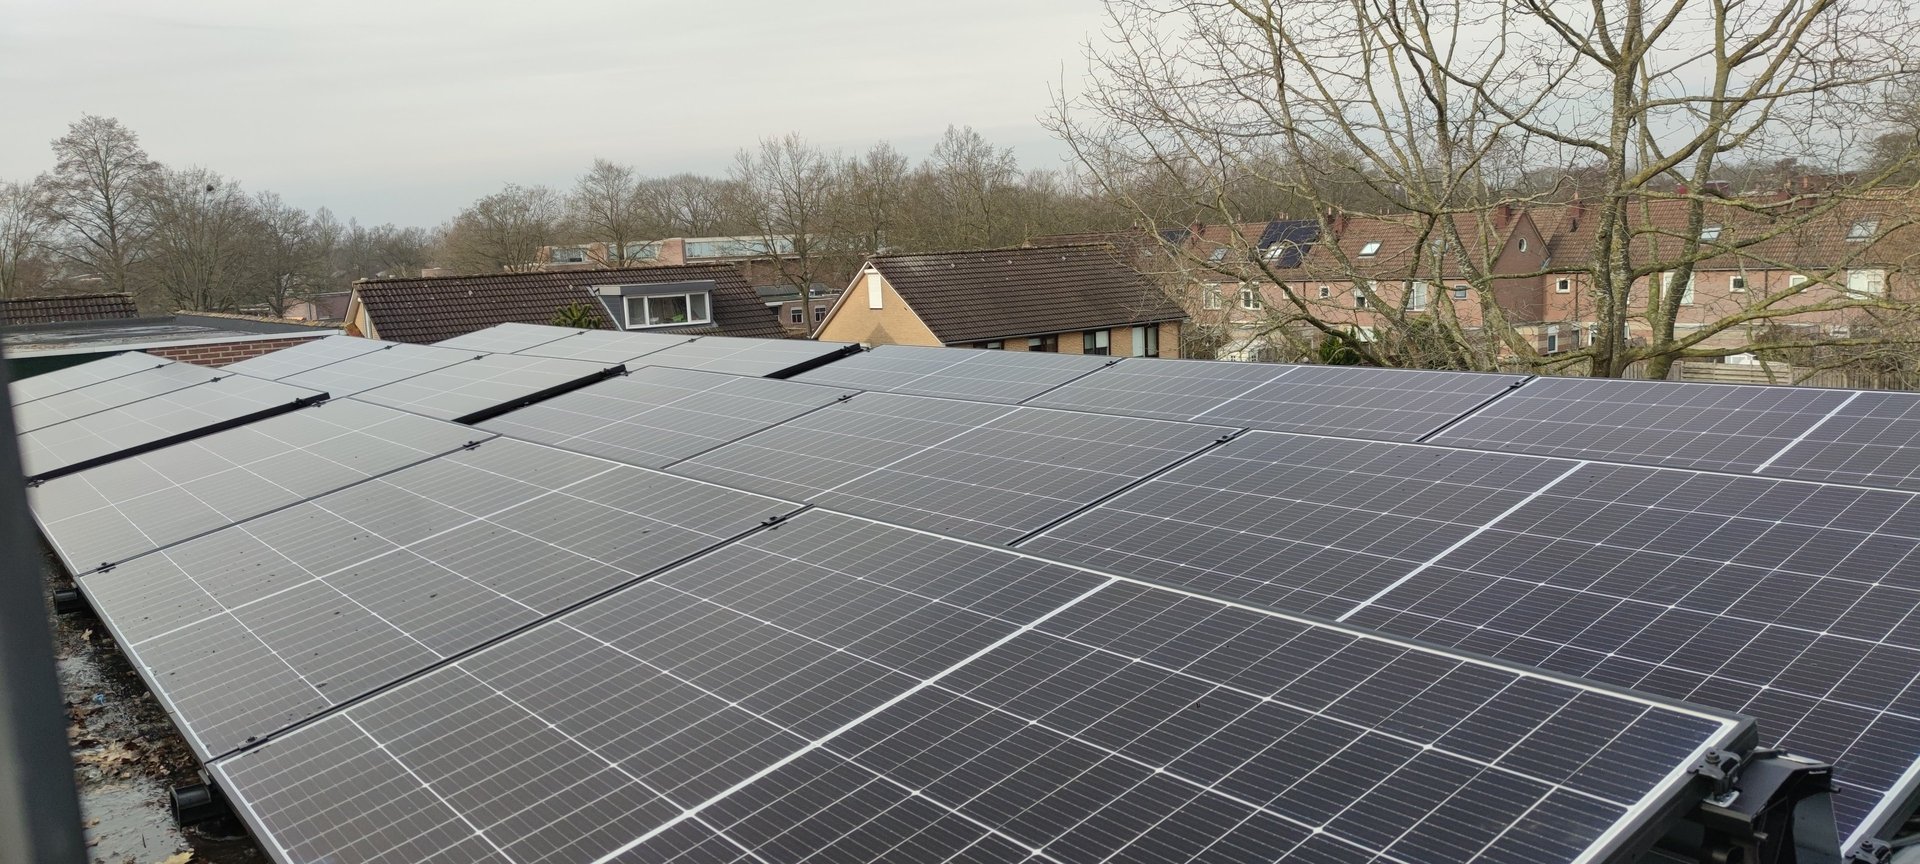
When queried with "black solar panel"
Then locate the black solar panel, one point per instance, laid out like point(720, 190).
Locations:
point(1710, 426)
point(982, 376)
point(395, 361)
point(155, 421)
point(508, 338)
point(105, 395)
point(1873, 438)
point(1388, 404)
point(124, 508)
point(655, 416)
point(306, 357)
point(768, 358)
point(485, 384)
point(61, 380)
point(607, 347)
point(991, 473)
point(839, 690)
point(1297, 523)
point(246, 630)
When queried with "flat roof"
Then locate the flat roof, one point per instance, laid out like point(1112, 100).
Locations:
point(132, 334)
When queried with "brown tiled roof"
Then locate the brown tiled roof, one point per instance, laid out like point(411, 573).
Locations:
point(70, 307)
point(1399, 256)
point(1000, 293)
point(432, 308)
point(1790, 238)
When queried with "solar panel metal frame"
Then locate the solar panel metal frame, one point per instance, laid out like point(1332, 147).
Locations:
point(607, 346)
point(735, 355)
point(1640, 823)
point(968, 373)
point(508, 338)
point(306, 357)
point(80, 375)
point(116, 392)
point(392, 363)
point(295, 398)
point(489, 371)
point(1872, 439)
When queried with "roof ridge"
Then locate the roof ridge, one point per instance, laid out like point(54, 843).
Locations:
point(521, 274)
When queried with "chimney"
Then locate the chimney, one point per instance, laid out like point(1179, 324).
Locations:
point(1505, 217)
point(1575, 209)
point(1194, 228)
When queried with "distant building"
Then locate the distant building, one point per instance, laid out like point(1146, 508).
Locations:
point(1074, 299)
point(694, 300)
point(758, 258)
point(326, 308)
point(205, 338)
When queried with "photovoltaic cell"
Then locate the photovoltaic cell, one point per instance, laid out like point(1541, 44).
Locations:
point(1872, 439)
point(252, 628)
point(769, 358)
point(990, 473)
point(485, 383)
point(121, 509)
point(979, 375)
point(607, 347)
point(1298, 523)
point(1386, 404)
point(654, 416)
point(1707, 426)
point(77, 442)
point(1790, 602)
point(508, 338)
point(395, 361)
point(61, 380)
point(106, 395)
point(307, 356)
point(840, 690)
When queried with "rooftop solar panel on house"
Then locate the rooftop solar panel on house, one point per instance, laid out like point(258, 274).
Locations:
point(156, 421)
point(840, 690)
point(61, 380)
point(508, 338)
point(124, 508)
point(766, 358)
point(485, 385)
point(610, 347)
point(395, 361)
point(1709, 426)
point(1388, 404)
point(654, 415)
point(1873, 438)
point(306, 357)
point(978, 375)
point(113, 393)
point(252, 628)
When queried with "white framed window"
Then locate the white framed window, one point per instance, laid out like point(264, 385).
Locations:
point(1523, 244)
point(819, 314)
point(1796, 280)
point(667, 310)
point(1737, 284)
point(1553, 338)
point(1326, 291)
point(1863, 230)
point(1593, 335)
point(1218, 255)
point(1210, 296)
point(575, 255)
point(1417, 296)
point(1359, 298)
point(1460, 292)
point(797, 315)
point(1095, 342)
point(1146, 341)
point(874, 291)
point(1562, 286)
point(1867, 283)
point(1371, 249)
point(994, 346)
point(1249, 297)
point(1709, 232)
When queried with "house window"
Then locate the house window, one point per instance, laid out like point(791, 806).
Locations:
point(797, 315)
point(1326, 291)
point(1210, 295)
point(1593, 335)
point(1460, 292)
point(1371, 249)
point(1359, 298)
point(667, 310)
point(995, 345)
point(1523, 244)
point(1218, 255)
point(1043, 343)
point(819, 314)
point(873, 290)
point(1710, 232)
point(1146, 341)
point(1867, 283)
point(1863, 230)
point(1417, 296)
point(1249, 297)
point(1796, 280)
point(569, 256)
point(1562, 286)
point(1686, 290)
point(1094, 342)
point(1736, 284)
point(1553, 339)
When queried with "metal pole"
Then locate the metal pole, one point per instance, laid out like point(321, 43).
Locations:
point(39, 806)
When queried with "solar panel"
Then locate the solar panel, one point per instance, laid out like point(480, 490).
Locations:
point(252, 628)
point(61, 380)
point(1873, 438)
point(1710, 426)
point(395, 361)
point(508, 338)
point(484, 385)
point(105, 395)
point(124, 508)
point(155, 422)
point(979, 375)
point(1388, 404)
point(768, 358)
point(306, 357)
point(609, 347)
point(1786, 601)
point(840, 690)
point(991, 473)
point(1298, 523)
point(655, 416)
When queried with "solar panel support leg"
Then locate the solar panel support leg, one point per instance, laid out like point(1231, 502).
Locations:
point(196, 803)
point(1764, 807)
point(69, 601)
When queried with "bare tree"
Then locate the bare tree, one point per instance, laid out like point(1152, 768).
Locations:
point(605, 207)
point(869, 210)
point(969, 181)
point(785, 190)
point(203, 247)
point(26, 235)
point(289, 258)
point(1438, 113)
point(503, 231)
point(382, 250)
point(97, 194)
point(687, 205)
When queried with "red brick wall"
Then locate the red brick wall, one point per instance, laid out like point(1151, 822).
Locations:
point(220, 354)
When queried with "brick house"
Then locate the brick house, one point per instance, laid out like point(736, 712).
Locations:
point(1073, 299)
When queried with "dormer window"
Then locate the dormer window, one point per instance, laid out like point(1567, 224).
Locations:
point(575, 255)
point(1710, 232)
point(667, 310)
point(1863, 230)
point(1218, 255)
point(1371, 249)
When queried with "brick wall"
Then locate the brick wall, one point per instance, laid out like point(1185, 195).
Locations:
point(222, 353)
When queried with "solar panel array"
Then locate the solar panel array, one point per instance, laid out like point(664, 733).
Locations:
point(79, 443)
point(72, 377)
point(307, 356)
point(508, 338)
point(605, 346)
point(1197, 647)
point(109, 394)
point(483, 384)
point(396, 361)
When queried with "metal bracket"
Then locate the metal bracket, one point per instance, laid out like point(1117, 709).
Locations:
point(1871, 851)
point(1767, 807)
point(472, 445)
point(773, 521)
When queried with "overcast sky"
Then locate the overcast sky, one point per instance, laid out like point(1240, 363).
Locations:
point(405, 110)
